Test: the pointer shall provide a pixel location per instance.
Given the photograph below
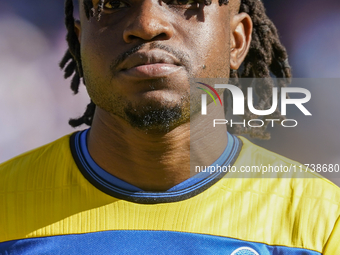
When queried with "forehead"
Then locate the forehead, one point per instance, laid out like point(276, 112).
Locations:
point(234, 4)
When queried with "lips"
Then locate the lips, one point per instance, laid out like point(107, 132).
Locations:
point(149, 64)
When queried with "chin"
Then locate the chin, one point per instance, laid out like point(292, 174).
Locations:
point(158, 116)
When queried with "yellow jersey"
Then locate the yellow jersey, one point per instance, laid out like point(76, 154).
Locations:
point(57, 200)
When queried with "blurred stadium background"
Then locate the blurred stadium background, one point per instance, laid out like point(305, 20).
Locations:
point(36, 102)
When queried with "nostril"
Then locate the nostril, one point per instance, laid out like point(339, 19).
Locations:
point(162, 36)
point(132, 38)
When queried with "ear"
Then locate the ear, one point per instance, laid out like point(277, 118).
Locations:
point(77, 29)
point(241, 29)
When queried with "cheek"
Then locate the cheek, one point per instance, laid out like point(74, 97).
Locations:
point(99, 48)
point(98, 52)
point(209, 44)
point(96, 61)
point(94, 57)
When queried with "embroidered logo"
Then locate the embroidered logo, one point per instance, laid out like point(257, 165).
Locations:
point(244, 251)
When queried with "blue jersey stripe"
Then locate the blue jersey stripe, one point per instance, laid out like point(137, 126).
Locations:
point(144, 242)
point(120, 189)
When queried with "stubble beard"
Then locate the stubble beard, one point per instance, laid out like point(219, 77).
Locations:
point(158, 117)
point(151, 116)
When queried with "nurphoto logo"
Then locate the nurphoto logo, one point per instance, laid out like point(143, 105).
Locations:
point(204, 97)
point(238, 102)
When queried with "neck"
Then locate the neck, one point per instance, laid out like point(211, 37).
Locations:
point(154, 162)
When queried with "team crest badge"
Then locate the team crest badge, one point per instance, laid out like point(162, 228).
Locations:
point(244, 251)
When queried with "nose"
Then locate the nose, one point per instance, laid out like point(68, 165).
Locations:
point(150, 23)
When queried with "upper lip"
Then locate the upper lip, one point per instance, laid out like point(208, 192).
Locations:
point(148, 57)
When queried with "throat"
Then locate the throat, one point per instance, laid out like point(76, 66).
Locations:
point(151, 162)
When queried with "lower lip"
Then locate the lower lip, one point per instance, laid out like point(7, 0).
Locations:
point(158, 70)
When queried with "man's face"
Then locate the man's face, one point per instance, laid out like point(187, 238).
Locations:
point(139, 56)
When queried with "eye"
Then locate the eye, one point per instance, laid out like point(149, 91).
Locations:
point(114, 4)
point(182, 2)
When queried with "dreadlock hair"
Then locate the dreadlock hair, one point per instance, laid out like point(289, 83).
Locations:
point(71, 62)
point(266, 56)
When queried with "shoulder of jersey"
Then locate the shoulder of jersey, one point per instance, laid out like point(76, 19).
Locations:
point(30, 163)
point(291, 174)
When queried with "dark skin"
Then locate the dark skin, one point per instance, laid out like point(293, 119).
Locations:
point(175, 41)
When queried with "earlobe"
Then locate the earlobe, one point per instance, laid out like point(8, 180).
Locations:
point(241, 31)
point(77, 29)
